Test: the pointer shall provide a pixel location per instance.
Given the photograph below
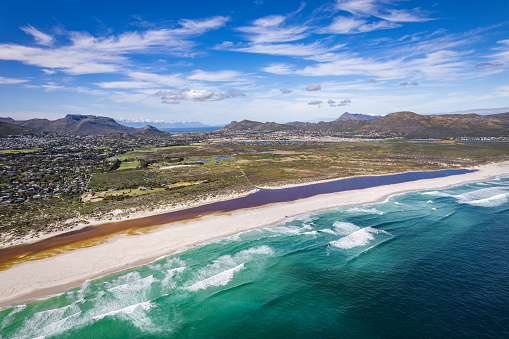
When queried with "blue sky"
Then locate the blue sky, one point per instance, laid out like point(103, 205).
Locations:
point(265, 60)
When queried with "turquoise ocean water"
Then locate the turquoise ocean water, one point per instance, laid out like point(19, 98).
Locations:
point(419, 265)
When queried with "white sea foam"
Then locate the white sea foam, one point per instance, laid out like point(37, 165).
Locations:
point(287, 230)
point(50, 321)
point(328, 230)
point(361, 237)
point(365, 210)
point(130, 283)
point(314, 233)
point(220, 279)
point(486, 197)
point(437, 193)
point(344, 228)
point(221, 271)
point(264, 250)
point(494, 201)
point(146, 305)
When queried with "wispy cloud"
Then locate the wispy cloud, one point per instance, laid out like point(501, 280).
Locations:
point(226, 75)
point(87, 54)
point(292, 50)
point(40, 37)
point(286, 90)
point(126, 84)
point(271, 29)
point(381, 9)
point(11, 81)
point(353, 25)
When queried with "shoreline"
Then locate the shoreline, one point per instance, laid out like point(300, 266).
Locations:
point(56, 274)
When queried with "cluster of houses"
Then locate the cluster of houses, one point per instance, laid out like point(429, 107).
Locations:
point(52, 165)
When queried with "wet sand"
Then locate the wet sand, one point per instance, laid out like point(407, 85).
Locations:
point(70, 259)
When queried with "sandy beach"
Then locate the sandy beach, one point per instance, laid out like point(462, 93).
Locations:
point(56, 274)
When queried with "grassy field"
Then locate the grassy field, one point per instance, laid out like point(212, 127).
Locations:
point(124, 165)
point(26, 150)
point(275, 164)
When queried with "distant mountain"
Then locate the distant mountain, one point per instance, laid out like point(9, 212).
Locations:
point(406, 124)
point(350, 116)
point(249, 125)
point(150, 132)
point(7, 129)
point(75, 124)
point(173, 125)
point(413, 125)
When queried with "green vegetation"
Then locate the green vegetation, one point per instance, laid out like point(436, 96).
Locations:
point(14, 151)
point(128, 165)
point(262, 163)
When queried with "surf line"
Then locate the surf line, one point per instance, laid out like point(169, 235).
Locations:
point(92, 235)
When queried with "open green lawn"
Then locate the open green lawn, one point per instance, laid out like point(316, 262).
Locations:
point(124, 165)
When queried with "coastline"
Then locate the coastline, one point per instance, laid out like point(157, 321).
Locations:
point(61, 272)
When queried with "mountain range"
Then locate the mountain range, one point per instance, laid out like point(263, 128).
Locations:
point(73, 124)
point(404, 124)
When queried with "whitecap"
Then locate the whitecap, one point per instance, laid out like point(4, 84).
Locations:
point(343, 228)
point(437, 193)
point(494, 201)
point(220, 279)
point(328, 230)
point(146, 305)
point(486, 197)
point(365, 210)
point(361, 237)
point(130, 283)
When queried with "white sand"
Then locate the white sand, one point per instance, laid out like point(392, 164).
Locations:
point(58, 273)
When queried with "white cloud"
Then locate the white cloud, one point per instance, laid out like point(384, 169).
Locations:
point(403, 16)
point(503, 55)
point(236, 93)
point(378, 8)
point(314, 87)
point(87, 54)
point(293, 50)
point(126, 84)
point(40, 37)
point(437, 65)
point(226, 75)
point(344, 102)
point(49, 71)
point(270, 29)
point(279, 68)
point(269, 21)
point(352, 25)
point(187, 94)
point(172, 80)
point(11, 81)
point(358, 7)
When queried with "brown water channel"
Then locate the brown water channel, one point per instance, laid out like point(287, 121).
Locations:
point(93, 235)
